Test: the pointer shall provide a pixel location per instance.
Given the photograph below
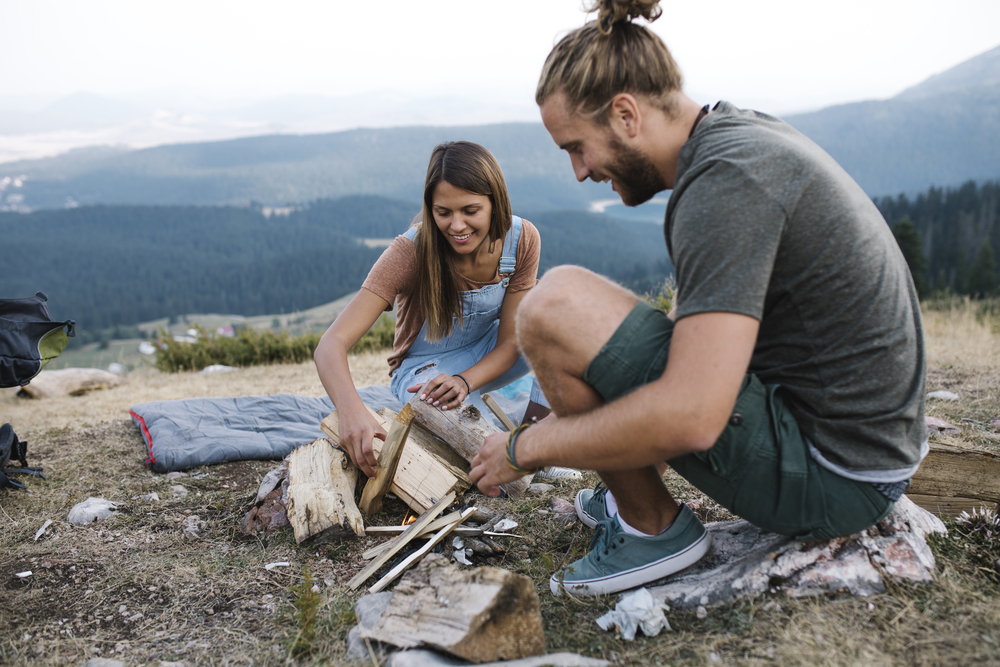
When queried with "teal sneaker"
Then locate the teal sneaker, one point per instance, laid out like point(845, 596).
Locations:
point(618, 561)
point(591, 506)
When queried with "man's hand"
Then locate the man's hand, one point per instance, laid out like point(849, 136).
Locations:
point(490, 468)
point(446, 391)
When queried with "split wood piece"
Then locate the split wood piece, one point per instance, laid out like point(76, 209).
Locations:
point(394, 573)
point(484, 615)
point(388, 459)
point(428, 469)
point(411, 532)
point(507, 422)
point(437, 524)
point(472, 531)
point(952, 479)
point(321, 482)
point(464, 429)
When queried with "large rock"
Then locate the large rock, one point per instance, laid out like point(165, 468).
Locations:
point(745, 561)
point(480, 615)
point(91, 510)
point(72, 381)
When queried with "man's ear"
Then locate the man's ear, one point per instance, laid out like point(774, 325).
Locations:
point(625, 114)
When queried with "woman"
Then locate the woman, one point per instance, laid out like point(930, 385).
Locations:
point(457, 278)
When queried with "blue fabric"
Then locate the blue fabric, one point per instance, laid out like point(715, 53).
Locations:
point(469, 343)
point(203, 431)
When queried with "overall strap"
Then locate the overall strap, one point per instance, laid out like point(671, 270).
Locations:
point(509, 259)
point(411, 233)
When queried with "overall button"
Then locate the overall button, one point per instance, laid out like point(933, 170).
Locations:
point(736, 419)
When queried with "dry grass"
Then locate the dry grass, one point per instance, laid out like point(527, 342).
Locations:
point(211, 601)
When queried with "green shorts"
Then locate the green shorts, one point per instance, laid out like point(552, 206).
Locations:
point(760, 467)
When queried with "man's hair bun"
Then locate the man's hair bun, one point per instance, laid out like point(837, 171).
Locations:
point(610, 12)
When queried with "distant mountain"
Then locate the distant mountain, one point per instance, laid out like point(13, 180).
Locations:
point(941, 132)
point(279, 169)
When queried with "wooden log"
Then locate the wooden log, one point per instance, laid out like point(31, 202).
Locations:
point(408, 535)
point(957, 472)
point(71, 381)
point(388, 459)
point(428, 470)
point(321, 507)
point(951, 507)
point(464, 429)
point(484, 615)
point(395, 572)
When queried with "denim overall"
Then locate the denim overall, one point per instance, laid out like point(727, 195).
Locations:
point(469, 343)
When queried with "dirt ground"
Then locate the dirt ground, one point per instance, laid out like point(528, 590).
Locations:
point(134, 589)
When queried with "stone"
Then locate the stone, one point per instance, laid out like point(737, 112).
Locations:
point(538, 488)
point(941, 426)
point(103, 662)
point(943, 395)
point(91, 510)
point(483, 615)
point(745, 561)
point(178, 491)
point(421, 658)
point(368, 610)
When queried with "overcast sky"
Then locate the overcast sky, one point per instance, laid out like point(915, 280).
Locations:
point(775, 55)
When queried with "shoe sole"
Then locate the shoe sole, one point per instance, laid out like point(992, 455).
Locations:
point(586, 519)
point(637, 576)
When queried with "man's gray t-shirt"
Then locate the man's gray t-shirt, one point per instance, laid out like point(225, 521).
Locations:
point(762, 222)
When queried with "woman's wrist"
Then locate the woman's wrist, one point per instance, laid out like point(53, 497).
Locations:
point(468, 387)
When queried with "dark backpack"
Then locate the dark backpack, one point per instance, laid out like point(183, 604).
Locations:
point(11, 447)
point(28, 339)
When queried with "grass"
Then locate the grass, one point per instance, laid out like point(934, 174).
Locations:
point(211, 601)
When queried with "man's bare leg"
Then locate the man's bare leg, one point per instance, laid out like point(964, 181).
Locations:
point(562, 324)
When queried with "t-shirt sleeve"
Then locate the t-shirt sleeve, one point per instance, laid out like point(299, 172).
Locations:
point(395, 272)
point(725, 234)
point(529, 249)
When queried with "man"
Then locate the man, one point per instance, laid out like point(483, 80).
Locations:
point(787, 384)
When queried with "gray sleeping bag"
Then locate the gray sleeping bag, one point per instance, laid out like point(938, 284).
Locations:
point(201, 431)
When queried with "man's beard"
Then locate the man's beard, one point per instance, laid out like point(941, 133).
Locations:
point(636, 179)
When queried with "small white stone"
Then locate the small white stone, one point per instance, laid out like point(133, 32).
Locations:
point(943, 395)
point(871, 606)
point(714, 657)
point(23, 575)
point(703, 600)
point(121, 609)
point(701, 612)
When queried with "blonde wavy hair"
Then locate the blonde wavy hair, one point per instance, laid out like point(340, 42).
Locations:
point(470, 167)
point(609, 56)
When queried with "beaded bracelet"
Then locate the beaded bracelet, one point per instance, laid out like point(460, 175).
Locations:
point(511, 461)
point(467, 387)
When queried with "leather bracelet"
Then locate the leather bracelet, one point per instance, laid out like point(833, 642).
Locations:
point(511, 460)
point(467, 387)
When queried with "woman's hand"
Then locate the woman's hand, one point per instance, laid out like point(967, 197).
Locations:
point(490, 468)
point(445, 391)
point(357, 432)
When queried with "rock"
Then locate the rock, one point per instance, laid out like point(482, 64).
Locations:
point(368, 610)
point(103, 662)
point(482, 515)
point(538, 488)
point(117, 369)
point(91, 510)
point(151, 497)
point(176, 475)
point(481, 615)
point(564, 510)
point(941, 426)
point(420, 658)
point(269, 514)
point(216, 368)
point(178, 491)
point(271, 480)
point(943, 395)
point(745, 561)
point(191, 527)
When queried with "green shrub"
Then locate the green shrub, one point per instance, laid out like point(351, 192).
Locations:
point(664, 298)
point(253, 348)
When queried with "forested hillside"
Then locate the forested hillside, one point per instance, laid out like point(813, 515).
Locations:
point(118, 265)
point(952, 232)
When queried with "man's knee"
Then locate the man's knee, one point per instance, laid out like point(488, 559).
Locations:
point(544, 311)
